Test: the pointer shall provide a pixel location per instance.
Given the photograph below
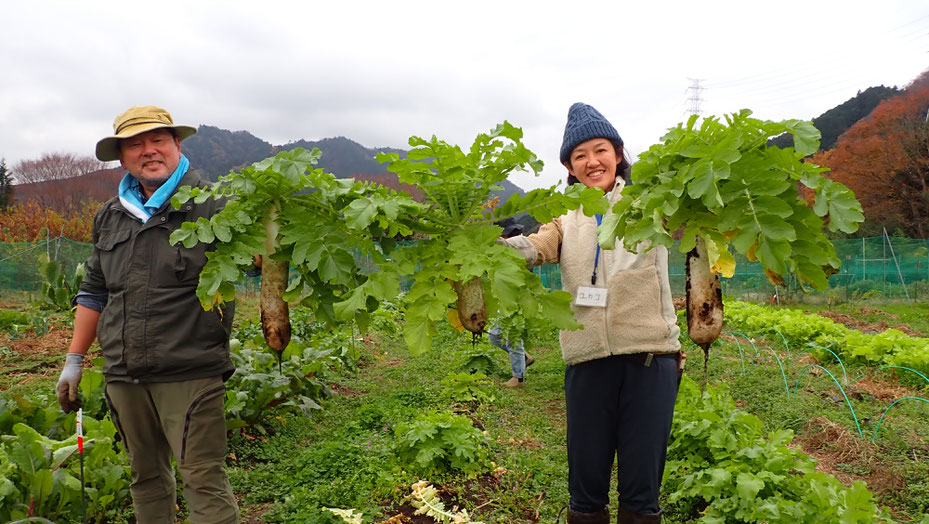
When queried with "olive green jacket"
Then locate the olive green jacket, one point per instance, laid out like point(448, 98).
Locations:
point(153, 328)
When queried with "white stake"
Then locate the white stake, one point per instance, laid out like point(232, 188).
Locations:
point(79, 422)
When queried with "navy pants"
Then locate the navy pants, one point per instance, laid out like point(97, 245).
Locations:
point(618, 407)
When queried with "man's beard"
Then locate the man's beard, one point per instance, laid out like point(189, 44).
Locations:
point(152, 182)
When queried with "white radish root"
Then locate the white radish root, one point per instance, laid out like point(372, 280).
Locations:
point(275, 314)
point(470, 305)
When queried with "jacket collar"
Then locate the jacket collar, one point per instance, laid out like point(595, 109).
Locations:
point(190, 178)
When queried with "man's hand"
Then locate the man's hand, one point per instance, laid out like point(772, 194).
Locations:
point(68, 382)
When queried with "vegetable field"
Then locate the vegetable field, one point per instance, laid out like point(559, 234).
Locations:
point(355, 402)
point(353, 422)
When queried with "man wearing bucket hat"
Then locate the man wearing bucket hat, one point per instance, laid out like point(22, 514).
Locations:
point(165, 358)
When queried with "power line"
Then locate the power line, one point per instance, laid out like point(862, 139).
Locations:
point(799, 88)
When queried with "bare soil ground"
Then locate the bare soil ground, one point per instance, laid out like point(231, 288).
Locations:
point(54, 341)
point(32, 358)
point(869, 327)
point(35, 358)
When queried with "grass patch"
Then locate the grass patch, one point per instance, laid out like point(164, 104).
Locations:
point(893, 465)
point(347, 455)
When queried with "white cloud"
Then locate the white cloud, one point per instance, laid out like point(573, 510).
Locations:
point(378, 72)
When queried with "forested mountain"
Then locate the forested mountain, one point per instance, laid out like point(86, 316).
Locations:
point(344, 157)
point(214, 152)
point(62, 195)
point(837, 120)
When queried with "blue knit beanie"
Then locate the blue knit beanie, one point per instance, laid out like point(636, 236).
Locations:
point(586, 123)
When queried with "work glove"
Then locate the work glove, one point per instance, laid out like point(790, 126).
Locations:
point(68, 382)
point(524, 246)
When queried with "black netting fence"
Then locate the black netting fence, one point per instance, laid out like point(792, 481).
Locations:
point(872, 268)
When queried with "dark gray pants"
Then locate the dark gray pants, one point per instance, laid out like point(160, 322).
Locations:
point(618, 407)
point(180, 419)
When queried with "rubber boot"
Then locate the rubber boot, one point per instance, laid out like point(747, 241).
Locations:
point(600, 517)
point(624, 516)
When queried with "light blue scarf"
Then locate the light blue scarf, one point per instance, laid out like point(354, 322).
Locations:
point(130, 192)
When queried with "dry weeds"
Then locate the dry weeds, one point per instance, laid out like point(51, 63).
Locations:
point(56, 340)
point(841, 453)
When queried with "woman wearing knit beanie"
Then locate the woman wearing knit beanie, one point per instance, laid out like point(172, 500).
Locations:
point(623, 368)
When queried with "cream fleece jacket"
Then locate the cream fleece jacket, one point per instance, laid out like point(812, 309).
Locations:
point(639, 316)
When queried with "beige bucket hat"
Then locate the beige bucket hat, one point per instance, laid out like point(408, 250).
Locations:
point(135, 121)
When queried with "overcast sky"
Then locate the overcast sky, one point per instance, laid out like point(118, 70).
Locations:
point(378, 72)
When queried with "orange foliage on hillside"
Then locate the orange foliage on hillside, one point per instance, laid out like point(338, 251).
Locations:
point(884, 159)
point(29, 221)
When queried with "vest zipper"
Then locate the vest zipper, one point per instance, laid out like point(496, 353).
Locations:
point(606, 310)
point(617, 188)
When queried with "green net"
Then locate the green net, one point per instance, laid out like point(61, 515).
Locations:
point(875, 267)
point(20, 262)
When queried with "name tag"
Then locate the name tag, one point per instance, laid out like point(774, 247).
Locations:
point(591, 296)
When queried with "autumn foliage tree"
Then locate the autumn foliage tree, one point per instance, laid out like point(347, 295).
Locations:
point(30, 221)
point(884, 159)
point(55, 166)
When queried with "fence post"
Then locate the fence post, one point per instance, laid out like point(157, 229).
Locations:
point(864, 265)
point(900, 273)
point(884, 262)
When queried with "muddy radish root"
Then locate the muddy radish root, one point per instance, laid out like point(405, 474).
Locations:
point(470, 305)
point(275, 314)
point(704, 298)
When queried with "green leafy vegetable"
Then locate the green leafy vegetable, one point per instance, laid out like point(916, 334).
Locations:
point(722, 465)
point(459, 243)
point(301, 218)
point(322, 223)
point(720, 182)
point(437, 442)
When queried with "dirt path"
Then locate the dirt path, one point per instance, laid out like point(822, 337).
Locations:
point(869, 327)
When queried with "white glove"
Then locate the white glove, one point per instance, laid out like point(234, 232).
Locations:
point(69, 381)
point(524, 246)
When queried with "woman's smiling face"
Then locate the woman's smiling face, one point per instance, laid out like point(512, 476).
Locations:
point(594, 163)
